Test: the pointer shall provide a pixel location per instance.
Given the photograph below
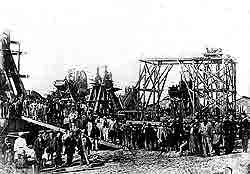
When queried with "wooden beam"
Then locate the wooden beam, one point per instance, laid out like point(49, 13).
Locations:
point(49, 126)
point(55, 128)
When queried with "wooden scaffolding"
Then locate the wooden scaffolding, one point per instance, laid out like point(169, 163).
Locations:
point(212, 77)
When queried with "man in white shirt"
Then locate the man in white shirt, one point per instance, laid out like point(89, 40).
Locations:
point(20, 142)
point(20, 145)
point(31, 153)
point(89, 127)
point(105, 129)
point(100, 126)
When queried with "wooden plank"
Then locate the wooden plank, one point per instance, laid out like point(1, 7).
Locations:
point(101, 142)
point(92, 166)
point(155, 123)
point(108, 144)
point(49, 126)
point(129, 111)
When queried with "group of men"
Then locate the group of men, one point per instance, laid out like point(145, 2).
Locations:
point(53, 146)
point(205, 137)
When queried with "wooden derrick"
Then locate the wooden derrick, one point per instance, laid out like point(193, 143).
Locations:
point(212, 77)
point(102, 99)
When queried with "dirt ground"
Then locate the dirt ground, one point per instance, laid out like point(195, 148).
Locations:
point(140, 161)
point(152, 162)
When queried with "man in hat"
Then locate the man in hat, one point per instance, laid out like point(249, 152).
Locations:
point(39, 146)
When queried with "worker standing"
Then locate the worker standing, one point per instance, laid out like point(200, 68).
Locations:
point(244, 132)
point(58, 149)
point(233, 132)
point(82, 146)
point(95, 134)
point(70, 144)
point(39, 148)
point(105, 129)
point(149, 136)
point(7, 151)
point(205, 138)
point(20, 146)
point(217, 137)
point(229, 134)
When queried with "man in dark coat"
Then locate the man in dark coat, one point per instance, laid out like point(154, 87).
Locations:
point(229, 129)
point(12, 110)
point(178, 132)
point(195, 138)
point(140, 137)
point(150, 137)
point(39, 145)
point(19, 106)
point(95, 134)
point(244, 132)
point(129, 135)
point(58, 149)
point(50, 146)
point(233, 132)
point(70, 144)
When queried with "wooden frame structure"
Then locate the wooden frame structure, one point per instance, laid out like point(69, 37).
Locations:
point(213, 79)
point(102, 98)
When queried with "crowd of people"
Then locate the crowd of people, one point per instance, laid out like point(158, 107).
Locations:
point(203, 136)
point(53, 111)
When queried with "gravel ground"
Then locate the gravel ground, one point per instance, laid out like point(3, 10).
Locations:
point(151, 162)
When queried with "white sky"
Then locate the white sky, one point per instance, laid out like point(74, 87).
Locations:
point(61, 34)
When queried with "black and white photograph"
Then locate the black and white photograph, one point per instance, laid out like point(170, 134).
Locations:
point(125, 87)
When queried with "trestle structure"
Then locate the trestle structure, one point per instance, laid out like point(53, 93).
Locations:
point(210, 80)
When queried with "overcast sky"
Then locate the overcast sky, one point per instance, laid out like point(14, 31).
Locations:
point(58, 35)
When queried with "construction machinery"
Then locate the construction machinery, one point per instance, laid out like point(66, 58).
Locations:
point(74, 87)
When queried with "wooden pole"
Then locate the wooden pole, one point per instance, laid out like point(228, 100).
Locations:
point(18, 58)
